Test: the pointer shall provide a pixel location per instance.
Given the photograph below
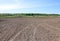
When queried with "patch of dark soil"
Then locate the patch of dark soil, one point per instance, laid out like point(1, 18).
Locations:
point(2, 20)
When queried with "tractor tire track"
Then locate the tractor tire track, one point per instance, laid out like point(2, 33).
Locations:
point(12, 38)
point(49, 27)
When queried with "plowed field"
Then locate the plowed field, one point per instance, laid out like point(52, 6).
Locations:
point(30, 29)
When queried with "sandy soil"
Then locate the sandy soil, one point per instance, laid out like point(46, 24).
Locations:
point(30, 29)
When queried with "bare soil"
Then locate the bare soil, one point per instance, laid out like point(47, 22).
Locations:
point(30, 29)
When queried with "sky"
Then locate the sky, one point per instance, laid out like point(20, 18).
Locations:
point(30, 6)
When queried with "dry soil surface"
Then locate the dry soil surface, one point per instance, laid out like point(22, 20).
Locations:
point(30, 29)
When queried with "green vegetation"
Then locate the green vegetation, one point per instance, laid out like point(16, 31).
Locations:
point(8, 15)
